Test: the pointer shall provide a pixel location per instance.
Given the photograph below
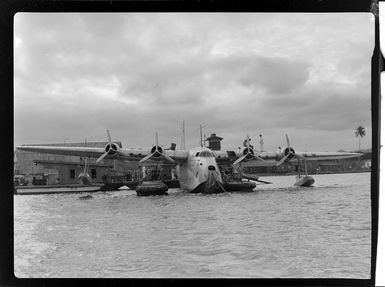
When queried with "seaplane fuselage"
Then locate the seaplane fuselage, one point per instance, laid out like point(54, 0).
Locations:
point(200, 172)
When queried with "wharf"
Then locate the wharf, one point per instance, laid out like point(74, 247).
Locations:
point(49, 189)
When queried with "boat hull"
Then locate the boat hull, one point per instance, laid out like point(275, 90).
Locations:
point(153, 187)
point(172, 183)
point(240, 186)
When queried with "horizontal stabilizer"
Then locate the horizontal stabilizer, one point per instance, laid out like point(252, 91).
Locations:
point(254, 177)
point(250, 176)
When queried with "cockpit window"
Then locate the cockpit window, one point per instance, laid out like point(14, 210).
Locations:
point(197, 154)
point(206, 153)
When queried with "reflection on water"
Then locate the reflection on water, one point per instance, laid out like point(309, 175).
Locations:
point(276, 231)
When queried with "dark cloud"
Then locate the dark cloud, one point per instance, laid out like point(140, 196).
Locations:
point(328, 106)
point(277, 75)
point(137, 73)
point(274, 75)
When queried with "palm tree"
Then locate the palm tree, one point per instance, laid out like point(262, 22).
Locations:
point(360, 133)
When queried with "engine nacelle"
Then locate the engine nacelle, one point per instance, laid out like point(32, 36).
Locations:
point(248, 152)
point(157, 152)
point(111, 148)
point(288, 152)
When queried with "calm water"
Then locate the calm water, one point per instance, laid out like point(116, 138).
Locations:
point(276, 231)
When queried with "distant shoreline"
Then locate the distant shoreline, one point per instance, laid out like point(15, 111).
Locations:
point(318, 173)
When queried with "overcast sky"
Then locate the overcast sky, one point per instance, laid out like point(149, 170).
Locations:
point(307, 75)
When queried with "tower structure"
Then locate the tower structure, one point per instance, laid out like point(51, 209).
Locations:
point(214, 142)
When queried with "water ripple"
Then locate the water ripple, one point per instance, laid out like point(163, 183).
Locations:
point(276, 231)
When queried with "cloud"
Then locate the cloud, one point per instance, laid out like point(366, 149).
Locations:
point(137, 73)
point(276, 75)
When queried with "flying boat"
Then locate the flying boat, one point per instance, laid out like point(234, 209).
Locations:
point(197, 169)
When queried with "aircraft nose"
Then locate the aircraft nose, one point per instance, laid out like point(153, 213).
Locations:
point(211, 167)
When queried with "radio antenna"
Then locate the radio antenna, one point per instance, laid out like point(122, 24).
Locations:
point(200, 129)
point(183, 138)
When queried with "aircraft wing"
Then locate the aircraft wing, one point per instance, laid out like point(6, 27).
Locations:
point(177, 155)
point(74, 151)
point(119, 154)
point(312, 155)
point(328, 155)
point(277, 158)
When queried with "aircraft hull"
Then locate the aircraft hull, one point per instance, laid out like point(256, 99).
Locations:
point(195, 176)
point(206, 187)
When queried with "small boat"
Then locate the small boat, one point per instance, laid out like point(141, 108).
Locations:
point(49, 189)
point(151, 187)
point(172, 183)
point(239, 182)
point(244, 186)
point(124, 187)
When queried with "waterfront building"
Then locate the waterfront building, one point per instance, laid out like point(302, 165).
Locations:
point(39, 168)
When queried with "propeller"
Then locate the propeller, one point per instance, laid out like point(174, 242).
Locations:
point(289, 153)
point(248, 154)
point(111, 148)
point(287, 140)
point(156, 152)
